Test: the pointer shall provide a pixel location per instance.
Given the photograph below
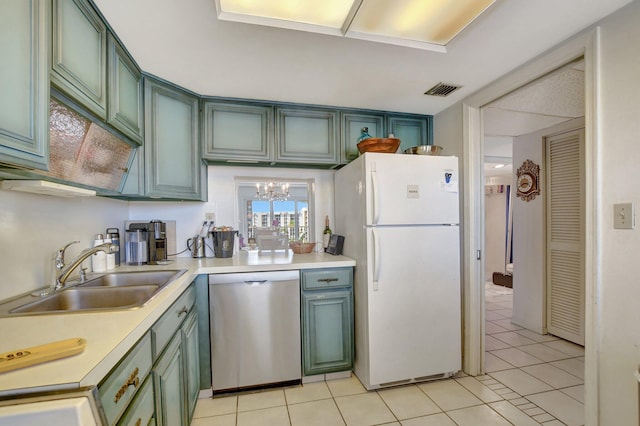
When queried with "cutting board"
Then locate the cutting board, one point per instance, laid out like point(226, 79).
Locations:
point(27, 357)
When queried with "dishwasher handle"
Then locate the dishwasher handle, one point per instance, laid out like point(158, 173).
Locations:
point(256, 282)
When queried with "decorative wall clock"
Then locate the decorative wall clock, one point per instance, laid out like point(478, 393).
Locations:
point(527, 181)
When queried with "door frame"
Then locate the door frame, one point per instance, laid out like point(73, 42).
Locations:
point(587, 45)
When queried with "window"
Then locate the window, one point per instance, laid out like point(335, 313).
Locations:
point(292, 216)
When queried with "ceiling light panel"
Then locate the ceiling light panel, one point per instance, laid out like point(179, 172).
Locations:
point(429, 21)
point(424, 24)
point(324, 13)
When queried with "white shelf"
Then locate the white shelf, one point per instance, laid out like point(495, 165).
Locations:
point(46, 188)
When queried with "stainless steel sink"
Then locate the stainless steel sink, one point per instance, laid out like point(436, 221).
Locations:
point(111, 291)
point(83, 299)
point(128, 279)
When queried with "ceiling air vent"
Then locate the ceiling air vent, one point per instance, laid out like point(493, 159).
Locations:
point(442, 89)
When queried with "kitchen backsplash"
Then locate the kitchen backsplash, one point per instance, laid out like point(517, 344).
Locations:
point(33, 227)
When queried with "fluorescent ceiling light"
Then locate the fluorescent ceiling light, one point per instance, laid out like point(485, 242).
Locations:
point(498, 166)
point(423, 24)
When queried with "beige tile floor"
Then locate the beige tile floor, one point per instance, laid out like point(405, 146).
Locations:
point(531, 380)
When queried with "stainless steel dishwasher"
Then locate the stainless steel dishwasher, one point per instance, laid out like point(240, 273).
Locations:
point(255, 329)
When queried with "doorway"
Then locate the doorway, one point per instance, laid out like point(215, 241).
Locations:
point(472, 113)
point(523, 118)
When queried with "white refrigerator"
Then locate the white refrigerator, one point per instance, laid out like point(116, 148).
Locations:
point(399, 215)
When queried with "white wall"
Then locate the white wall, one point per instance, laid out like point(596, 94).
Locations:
point(495, 217)
point(619, 155)
point(221, 201)
point(33, 227)
point(528, 240)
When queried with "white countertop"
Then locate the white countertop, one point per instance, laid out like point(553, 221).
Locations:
point(110, 335)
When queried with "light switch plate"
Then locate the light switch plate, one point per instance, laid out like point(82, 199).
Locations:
point(624, 216)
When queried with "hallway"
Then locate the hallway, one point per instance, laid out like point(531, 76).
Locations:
point(545, 372)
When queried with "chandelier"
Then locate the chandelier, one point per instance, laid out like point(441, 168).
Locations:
point(272, 191)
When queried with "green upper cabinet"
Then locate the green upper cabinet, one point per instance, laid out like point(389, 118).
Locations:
point(125, 101)
point(79, 54)
point(352, 125)
point(134, 182)
point(24, 83)
point(238, 132)
point(173, 165)
point(307, 135)
point(411, 130)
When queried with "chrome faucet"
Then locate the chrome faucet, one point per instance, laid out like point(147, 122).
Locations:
point(60, 255)
point(65, 271)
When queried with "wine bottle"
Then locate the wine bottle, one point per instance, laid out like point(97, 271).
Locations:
point(326, 234)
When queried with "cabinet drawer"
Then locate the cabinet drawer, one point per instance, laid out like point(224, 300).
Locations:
point(122, 383)
point(164, 329)
point(141, 410)
point(318, 279)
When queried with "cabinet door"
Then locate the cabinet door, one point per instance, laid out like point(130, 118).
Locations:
point(24, 83)
point(411, 131)
point(134, 182)
point(173, 167)
point(141, 411)
point(240, 132)
point(169, 386)
point(307, 136)
point(122, 384)
point(191, 361)
point(79, 49)
point(125, 92)
point(352, 125)
point(327, 337)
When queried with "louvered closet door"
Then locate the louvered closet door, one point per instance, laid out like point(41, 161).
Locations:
point(565, 236)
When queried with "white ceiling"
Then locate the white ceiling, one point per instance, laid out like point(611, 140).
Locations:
point(549, 100)
point(184, 42)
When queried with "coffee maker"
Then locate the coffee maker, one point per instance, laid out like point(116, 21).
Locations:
point(156, 243)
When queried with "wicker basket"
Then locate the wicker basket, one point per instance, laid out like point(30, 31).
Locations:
point(301, 248)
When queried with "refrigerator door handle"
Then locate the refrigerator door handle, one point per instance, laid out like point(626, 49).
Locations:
point(374, 195)
point(376, 260)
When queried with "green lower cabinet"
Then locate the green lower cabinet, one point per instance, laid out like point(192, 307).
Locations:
point(327, 336)
point(169, 386)
point(177, 368)
point(191, 361)
point(141, 411)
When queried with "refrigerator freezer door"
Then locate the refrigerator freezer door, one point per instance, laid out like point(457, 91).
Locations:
point(411, 189)
point(414, 306)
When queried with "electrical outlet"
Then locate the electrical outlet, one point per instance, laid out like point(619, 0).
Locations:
point(210, 216)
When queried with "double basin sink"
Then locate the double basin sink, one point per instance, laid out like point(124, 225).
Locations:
point(111, 291)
